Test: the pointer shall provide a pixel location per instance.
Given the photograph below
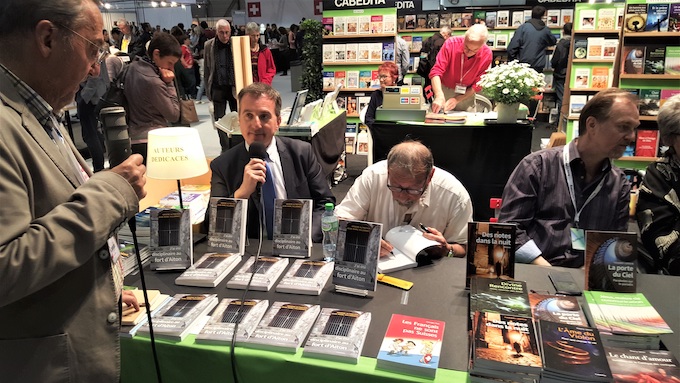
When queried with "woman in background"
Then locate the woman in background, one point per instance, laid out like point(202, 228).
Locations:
point(261, 57)
point(284, 49)
point(150, 90)
point(388, 73)
point(658, 208)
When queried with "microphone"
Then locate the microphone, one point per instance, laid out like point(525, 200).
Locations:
point(257, 150)
point(116, 134)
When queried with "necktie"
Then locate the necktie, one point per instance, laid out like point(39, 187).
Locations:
point(268, 196)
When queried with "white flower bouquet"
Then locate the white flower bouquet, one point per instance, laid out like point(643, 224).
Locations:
point(511, 82)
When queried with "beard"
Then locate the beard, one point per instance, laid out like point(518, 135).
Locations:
point(407, 203)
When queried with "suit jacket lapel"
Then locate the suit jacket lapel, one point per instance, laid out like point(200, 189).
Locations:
point(287, 166)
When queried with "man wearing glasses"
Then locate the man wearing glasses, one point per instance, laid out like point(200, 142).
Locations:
point(61, 277)
point(408, 189)
point(460, 63)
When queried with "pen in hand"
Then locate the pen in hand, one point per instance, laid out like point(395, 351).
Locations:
point(424, 228)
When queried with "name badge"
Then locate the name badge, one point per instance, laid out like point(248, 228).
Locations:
point(578, 241)
point(460, 89)
point(114, 250)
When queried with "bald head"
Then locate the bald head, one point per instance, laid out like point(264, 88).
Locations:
point(410, 157)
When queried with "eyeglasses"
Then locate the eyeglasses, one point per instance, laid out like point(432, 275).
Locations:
point(397, 189)
point(384, 76)
point(101, 52)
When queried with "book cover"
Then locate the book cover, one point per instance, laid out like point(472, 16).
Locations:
point(606, 19)
point(490, 251)
point(629, 313)
point(491, 19)
point(175, 319)
point(633, 59)
point(501, 40)
point(283, 327)
point(466, 20)
point(672, 61)
point(580, 47)
point(388, 51)
point(595, 316)
point(401, 22)
point(609, 48)
point(327, 23)
point(479, 17)
point(339, 25)
point(610, 263)
point(376, 51)
point(505, 342)
point(421, 20)
point(620, 15)
point(351, 25)
point(527, 15)
point(292, 228)
point(340, 78)
point(267, 271)
point(411, 345)
point(417, 43)
point(432, 21)
point(210, 270)
point(389, 23)
point(649, 102)
point(573, 352)
point(364, 79)
point(338, 335)
point(352, 106)
point(557, 308)
point(628, 365)
point(305, 277)
point(595, 47)
point(491, 40)
point(358, 249)
point(364, 24)
point(363, 50)
point(376, 24)
point(129, 331)
point(657, 18)
point(666, 94)
point(129, 257)
point(553, 18)
point(328, 79)
point(674, 18)
point(636, 17)
point(171, 242)
point(567, 16)
point(600, 78)
point(586, 19)
point(352, 52)
point(328, 52)
point(517, 18)
point(445, 20)
point(410, 21)
point(222, 322)
point(499, 296)
point(130, 317)
point(340, 52)
point(647, 143)
point(581, 77)
point(456, 20)
point(655, 56)
point(576, 103)
point(227, 226)
point(410, 249)
point(502, 19)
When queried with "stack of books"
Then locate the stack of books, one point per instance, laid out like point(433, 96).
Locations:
point(222, 323)
point(179, 316)
point(130, 264)
point(209, 271)
point(283, 327)
point(338, 335)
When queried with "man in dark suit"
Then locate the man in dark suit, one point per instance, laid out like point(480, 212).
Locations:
point(295, 171)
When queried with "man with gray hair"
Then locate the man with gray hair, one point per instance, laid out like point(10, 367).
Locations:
point(130, 42)
point(408, 189)
point(460, 63)
point(218, 74)
point(61, 289)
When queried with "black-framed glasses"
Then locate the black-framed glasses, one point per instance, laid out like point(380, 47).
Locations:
point(101, 52)
point(398, 189)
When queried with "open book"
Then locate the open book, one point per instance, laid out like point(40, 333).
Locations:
point(409, 246)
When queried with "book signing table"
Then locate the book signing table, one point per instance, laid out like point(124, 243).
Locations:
point(495, 150)
point(438, 293)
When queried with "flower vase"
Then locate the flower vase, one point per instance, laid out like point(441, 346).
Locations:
point(507, 113)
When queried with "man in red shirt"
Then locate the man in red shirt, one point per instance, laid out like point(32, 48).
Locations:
point(460, 64)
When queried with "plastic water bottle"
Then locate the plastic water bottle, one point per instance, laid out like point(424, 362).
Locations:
point(329, 227)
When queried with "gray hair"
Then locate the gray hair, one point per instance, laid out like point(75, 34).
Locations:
point(411, 157)
point(669, 119)
point(222, 23)
point(252, 27)
point(18, 17)
point(445, 31)
point(477, 32)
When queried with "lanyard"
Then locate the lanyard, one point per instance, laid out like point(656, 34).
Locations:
point(462, 57)
point(570, 184)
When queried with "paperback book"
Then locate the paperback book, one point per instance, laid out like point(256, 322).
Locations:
point(633, 59)
point(338, 335)
point(490, 251)
point(177, 317)
point(306, 277)
point(557, 308)
point(129, 331)
point(672, 62)
point(650, 100)
point(600, 78)
point(610, 263)
point(629, 365)
point(222, 322)
point(130, 317)
point(586, 19)
point(581, 78)
point(227, 226)
point(292, 228)
point(606, 19)
point(267, 271)
point(412, 346)
point(283, 327)
point(410, 249)
point(499, 296)
point(628, 313)
point(572, 353)
point(657, 18)
point(580, 47)
point(576, 103)
point(636, 17)
point(504, 343)
point(356, 264)
point(655, 59)
point(171, 241)
point(209, 271)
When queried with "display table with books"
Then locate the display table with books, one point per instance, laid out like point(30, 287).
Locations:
point(438, 294)
point(495, 150)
